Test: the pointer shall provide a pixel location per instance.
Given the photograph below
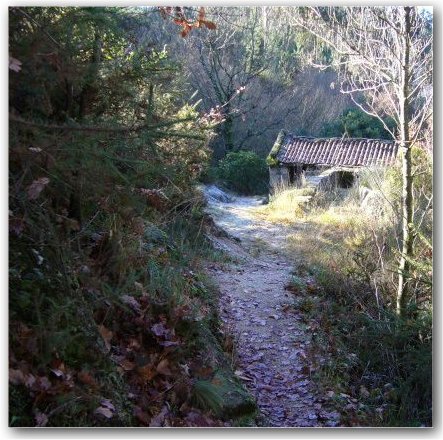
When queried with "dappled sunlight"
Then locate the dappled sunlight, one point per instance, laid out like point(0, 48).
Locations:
point(240, 218)
point(286, 207)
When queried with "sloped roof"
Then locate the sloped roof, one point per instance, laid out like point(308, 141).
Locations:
point(334, 151)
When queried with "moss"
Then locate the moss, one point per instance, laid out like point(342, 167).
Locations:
point(271, 160)
point(225, 396)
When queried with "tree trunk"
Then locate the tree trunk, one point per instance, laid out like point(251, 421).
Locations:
point(90, 87)
point(228, 130)
point(407, 199)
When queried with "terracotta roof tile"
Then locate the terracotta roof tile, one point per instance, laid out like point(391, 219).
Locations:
point(336, 151)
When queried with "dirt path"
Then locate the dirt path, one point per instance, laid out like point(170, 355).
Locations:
point(270, 336)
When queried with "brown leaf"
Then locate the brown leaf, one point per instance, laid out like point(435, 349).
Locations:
point(194, 418)
point(86, 378)
point(106, 334)
point(16, 377)
point(43, 383)
point(141, 415)
point(36, 187)
point(155, 197)
point(16, 225)
point(158, 420)
point(204, 372)
point(163, 368)
point(201, 14)
point(30, 380)
point(185, 31)
point(127, 365)
point(209, 24)
point(147, 372)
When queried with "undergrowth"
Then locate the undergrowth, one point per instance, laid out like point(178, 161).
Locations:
point(376, 367)
point(112, 322)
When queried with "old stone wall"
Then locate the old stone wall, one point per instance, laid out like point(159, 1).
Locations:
point(278, 177)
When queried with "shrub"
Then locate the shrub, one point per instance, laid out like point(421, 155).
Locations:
point(245, 172)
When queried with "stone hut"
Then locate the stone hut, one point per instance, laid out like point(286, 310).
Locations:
point(325, 162)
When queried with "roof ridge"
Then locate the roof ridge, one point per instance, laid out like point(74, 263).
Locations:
point(340, 138)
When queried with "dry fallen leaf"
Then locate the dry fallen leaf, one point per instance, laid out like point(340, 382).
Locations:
point(132, 302)
point(147, 372)
point(158, 420)
point(163, 368)
point(36, 187)
point(16, 377)
point(106, 334)
point(16, 225)
point(241, 375)
point(15, 64)
point(108, 404)
point(30, 380)
point(141, 415)
point(57, 372)
point(127, 365)
point(86, 378)
point(104, 412)
point(41, 419)
point(106, 409)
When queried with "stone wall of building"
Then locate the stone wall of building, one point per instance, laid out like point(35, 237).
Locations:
point(278, 177)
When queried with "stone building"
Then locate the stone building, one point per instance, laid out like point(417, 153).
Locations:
point(325, 162)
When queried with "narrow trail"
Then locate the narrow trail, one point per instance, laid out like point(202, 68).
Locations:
point(270, 336)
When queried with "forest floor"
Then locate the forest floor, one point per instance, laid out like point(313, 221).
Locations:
point(271, 338)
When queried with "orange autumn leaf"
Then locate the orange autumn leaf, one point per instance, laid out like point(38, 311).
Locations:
point(86, 378)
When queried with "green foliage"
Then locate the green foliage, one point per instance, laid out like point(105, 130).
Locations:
point(358, 124)
point(104, 155)
point(390, 359)
point(245, 172)
point(208, 395)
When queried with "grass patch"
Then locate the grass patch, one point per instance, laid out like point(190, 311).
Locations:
point(376, 367)
point(286, 206)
